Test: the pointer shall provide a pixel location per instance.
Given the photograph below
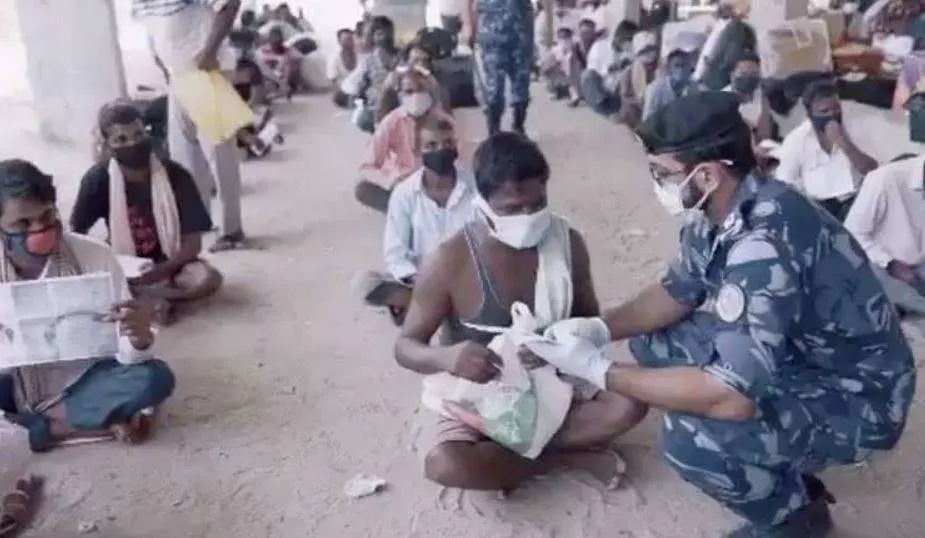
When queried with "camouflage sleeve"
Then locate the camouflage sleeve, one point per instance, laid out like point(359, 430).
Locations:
point(756, 305)
point(682, 281)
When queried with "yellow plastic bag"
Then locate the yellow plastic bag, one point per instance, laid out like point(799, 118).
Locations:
point(212, 104)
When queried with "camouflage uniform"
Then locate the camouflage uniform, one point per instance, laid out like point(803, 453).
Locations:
point(790, 315)
point(505, 50)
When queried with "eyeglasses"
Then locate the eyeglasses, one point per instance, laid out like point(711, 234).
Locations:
point(662, 176)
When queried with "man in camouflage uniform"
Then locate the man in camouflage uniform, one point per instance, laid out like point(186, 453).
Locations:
point(769, 343)
point(503, 34)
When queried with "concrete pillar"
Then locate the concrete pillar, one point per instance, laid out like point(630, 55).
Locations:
point(74, 63)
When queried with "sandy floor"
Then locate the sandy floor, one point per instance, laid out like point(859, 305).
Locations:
point(287, 387)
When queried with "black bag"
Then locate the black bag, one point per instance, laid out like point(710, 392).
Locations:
point(456, 75)
point(437, 42)
point(305, 45)
point(916, 107)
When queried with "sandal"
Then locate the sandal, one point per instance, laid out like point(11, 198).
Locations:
point(18, 508)
point(228, 242)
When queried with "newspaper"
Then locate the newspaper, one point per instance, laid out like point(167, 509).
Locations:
point(57, 319)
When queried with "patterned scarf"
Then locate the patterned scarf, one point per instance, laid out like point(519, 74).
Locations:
point(35, 384)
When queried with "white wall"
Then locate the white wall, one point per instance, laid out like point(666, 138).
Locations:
point(74, 64)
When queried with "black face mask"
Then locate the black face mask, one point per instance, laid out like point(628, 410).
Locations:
point(746, 84)
point(135, 157)
point(442, 161)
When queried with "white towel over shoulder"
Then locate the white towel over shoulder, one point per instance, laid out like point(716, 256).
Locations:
point(163, 205)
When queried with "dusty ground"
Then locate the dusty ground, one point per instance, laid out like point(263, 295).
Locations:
point(287, 387)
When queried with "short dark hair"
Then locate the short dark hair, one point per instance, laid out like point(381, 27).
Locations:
point(343, 31)
point(819, 89)
point(626, 28)
point(507, 157)
point(118, 112)
point(22, 180)
point(737, 149)
point(436, 123)
point(587, 22)
point(381, 22)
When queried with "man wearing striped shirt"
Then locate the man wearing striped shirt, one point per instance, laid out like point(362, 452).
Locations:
point(186, 35)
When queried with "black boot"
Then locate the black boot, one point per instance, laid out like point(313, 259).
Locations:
point(493, 115)
point(812, 521)
point(520, 117)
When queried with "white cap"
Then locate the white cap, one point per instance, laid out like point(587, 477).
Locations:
point(643, 41)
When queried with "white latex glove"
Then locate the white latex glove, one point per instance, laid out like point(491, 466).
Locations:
point(574, 356)
point(593, 330)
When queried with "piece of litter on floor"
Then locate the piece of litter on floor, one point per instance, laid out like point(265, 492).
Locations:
point(86, 527)
point(363, 485)
point(635, 232)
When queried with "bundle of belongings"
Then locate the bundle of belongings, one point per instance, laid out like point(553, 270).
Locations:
point(522, 409)
point(793, 55)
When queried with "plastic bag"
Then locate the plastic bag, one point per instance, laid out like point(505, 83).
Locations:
point(14, 454)
point(212, 104)
point(521, 410)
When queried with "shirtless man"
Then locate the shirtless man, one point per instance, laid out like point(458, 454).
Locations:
point(473, 278)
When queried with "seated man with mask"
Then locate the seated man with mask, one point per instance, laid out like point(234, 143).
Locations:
point(468, 287)
point(152, 210)
point(820, 157)
point(676, 81)
point(394, 151)
point(635, 80)
point(769, 343)
point(754, 107)
point(607, 59)
point(432, 204)
point(888, 220)
point(74, 401)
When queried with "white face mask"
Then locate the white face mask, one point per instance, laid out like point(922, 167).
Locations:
point(417, 104)
point(516, 231)
point(672, 195)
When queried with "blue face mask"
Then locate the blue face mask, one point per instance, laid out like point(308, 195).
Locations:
point(30, 250)
point(819, 122)
point(679, 76)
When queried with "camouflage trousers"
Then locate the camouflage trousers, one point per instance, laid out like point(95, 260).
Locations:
point(755, 467)
point(495, 65)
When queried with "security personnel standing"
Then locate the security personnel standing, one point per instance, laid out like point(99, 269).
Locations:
point(502, 33)
point(769, 344)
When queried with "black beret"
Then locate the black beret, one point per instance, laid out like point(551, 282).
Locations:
point(698, 120)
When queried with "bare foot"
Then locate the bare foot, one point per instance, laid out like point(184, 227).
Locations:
point(606, 466)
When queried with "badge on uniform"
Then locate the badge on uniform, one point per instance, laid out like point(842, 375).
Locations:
point(730, 303)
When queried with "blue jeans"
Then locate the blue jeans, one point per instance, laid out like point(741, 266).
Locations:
point(596, 94)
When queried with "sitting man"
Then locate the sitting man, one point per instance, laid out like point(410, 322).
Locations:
point(341, 63)
point(820, 157)
point(755, 109)
point(607, 59)
point(152, 210)
point(675, 82)
point(555, 64)
point(888, 220)
point(394, 151)
point(769, 344)
point(432, 204)
point(635, 79)
point(112, 397)
point(284, 61)
point(471, 282)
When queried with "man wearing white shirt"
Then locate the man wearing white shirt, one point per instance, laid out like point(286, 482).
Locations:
point(888, 220)
point(187, 35)
point(606, 60)
point(433, 203)
point(819, 157)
